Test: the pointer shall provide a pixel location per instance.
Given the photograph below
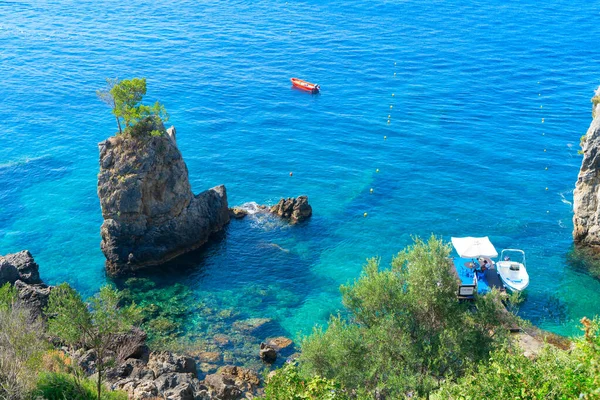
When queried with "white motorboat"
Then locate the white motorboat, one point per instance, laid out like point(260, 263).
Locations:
point(512, 270)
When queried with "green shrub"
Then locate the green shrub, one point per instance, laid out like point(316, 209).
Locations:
point(406, 331)
point(61, 386)
point(553, 374)
point(8, 296)
point(21, 348)
point(288, 384)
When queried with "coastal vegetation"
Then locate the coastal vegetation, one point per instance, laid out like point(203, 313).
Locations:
point(406, 335)
point(30, 365)
point(124, 97)
point(95, 325)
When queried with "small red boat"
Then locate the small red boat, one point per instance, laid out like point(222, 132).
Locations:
point(300, 84)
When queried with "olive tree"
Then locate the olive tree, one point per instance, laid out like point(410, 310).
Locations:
point(94, 325)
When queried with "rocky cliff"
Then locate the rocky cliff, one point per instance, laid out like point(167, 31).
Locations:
point(150, 213)
point(586, 197)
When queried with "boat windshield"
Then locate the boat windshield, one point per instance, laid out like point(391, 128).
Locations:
point(514, 255)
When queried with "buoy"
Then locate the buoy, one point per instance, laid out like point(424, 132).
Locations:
point(539, 94)
point(371, 190)
point(538, 82)
point(544, 150)
point(391, 106)
point(385, 138)
point(394, 74)
point(541, 106)
point(377, 170)
point(543, 134)
point(546, 188)
point(389, 115)
point(547, 212)
point(542, 120)
point(393, 95)
point(546, 168)
point(291, 173)
point(394, 63)
point(365, 214)
point(388, 121)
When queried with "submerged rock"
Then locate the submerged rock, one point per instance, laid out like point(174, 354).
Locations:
point(296, 210)
point(150, 213)
point(586, 197)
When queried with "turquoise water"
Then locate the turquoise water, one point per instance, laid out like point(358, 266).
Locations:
point(466, 86)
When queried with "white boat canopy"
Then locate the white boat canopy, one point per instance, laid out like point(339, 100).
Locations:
point(471, 247)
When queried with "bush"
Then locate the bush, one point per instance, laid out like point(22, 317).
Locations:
point(287, 384)
point(553, 374)
point(21, 349)
point(407, 332)
point(61, 386)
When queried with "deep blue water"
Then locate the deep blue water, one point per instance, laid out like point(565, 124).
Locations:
point(486, 100)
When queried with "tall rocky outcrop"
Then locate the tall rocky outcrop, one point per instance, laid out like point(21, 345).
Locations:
point(150, 213)
point(586, 197)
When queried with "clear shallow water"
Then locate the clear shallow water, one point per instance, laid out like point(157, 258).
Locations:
point(466, 150)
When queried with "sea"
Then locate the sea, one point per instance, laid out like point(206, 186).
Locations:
point(453, 118)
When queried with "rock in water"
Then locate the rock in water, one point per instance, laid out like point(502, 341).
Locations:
point(150, 213)
point(296, 210)
point(586, 201)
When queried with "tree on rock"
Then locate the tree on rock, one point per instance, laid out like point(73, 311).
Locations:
point(125, 99)
point(94, 325)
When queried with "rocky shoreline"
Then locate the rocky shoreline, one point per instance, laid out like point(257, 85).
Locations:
point(139, 371)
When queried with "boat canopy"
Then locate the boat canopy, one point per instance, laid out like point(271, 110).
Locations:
point(471, 247)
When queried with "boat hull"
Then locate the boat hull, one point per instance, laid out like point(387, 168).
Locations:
point(513, 275)
point(304, 85)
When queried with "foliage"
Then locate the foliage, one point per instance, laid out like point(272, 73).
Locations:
point(21, 347)
point(95, 327)
point(288, 384)
point(61, 386)
point(105, 95)
point(8, 296)
point(553, 374)
point(125, 100)
point(407, 332)
point(595, 101)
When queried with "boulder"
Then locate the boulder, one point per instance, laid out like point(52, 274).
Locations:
point(150, 213)
point(237, 212)
point(280, 342)
point(8, 272)
point(294, 210)
point(164, 362)
point(26, 266)
point(586, 200)
point(250, 325)
point(233, 382)
point(268, 353)
point(34, 297)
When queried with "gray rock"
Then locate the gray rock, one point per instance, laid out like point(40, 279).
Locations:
point(8, 272)
point(27, 267)
point(268, 353)
point(233, 382)
point(296, 210)
point(150, 213)
point(184, 391)
point(165, 362)
point(223, 386)
point(34, 297)
point(586, 202)
point(171, 380)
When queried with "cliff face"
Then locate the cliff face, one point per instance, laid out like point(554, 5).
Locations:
point(150, 213)
point(586, 197)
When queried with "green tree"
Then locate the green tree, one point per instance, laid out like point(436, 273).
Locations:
point(105, 95)
point(552, 374)
point(406, 331)
point(94, 325)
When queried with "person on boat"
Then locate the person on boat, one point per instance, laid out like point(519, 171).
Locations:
point(485, 265)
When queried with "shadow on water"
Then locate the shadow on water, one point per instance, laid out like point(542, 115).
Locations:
point(220, 302)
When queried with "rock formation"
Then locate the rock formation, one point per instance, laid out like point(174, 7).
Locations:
point(21, 270)
point(586, 197)
point(296, 210)
point(150, 213)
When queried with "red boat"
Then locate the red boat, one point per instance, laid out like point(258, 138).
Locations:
point(300, 84)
